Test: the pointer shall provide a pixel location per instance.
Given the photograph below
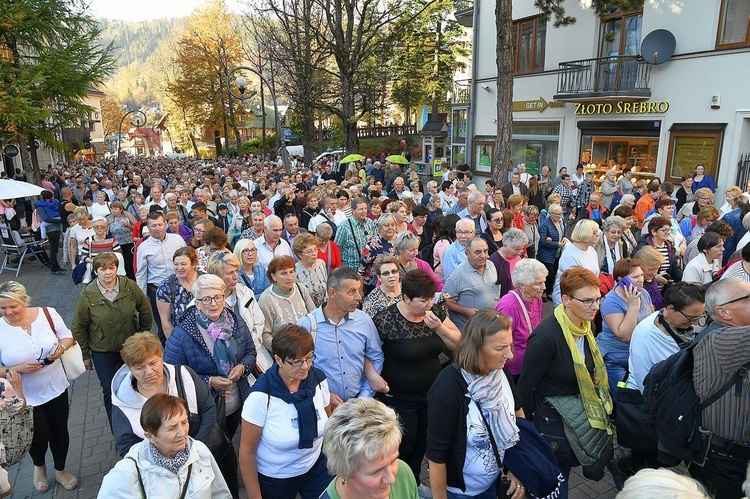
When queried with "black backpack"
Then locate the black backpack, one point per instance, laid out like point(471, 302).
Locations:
point(674, 409)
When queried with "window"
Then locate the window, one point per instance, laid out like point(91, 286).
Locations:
point(733, 24)
point(691, 145)
point(531, 36)
point(536, 144)
point(621, 34)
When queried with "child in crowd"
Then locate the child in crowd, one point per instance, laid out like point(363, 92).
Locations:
point(51, 206)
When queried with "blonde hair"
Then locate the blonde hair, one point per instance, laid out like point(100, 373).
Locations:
point(13, 290)
point(662, 483)
point(584, 231)
point(648, 255)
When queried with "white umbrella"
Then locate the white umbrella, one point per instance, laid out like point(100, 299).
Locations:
point(12, 189)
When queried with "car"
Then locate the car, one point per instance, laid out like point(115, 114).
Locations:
point(329, 153)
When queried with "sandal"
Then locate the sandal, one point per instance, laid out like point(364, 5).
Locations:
point(41, 483)
point(68, 481)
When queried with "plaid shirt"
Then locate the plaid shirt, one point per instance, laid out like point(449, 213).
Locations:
point(566, 193)
point(584, 191)
point(351, 237)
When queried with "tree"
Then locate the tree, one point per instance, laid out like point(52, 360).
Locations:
point(112, 113)
point(505, 57)
point(50, 58)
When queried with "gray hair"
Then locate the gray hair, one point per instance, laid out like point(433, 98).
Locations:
point(324, 231)
point(515, 238)
point(612, 221)
point(431, 184)
point(627, 198)
point(385, 219)
point(466, 222)
point(435, 198)
point(170, 195)
point(360, 430)
point(476, 196)
point(271, 219)
point(337, 277)
point(527, 272)
point(405, 240)
point(746, 221)
point(655, 482)
point(719, 293)
point(471, 241)
point(208, 281)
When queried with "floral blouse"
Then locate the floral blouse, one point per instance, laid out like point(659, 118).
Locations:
point(180, 302)
point(315, 280)
point(377, 300)
point(10, 405)
point(375, 247)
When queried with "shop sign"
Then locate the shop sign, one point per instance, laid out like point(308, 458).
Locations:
point(535, 105)
point(621, 107)
point(11, 150)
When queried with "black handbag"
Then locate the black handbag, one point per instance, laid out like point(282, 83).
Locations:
point(633, 430)
point(218, 442)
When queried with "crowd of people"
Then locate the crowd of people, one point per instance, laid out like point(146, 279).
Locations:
point(353, 320)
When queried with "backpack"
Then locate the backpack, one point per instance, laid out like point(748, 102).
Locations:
point(674, 410)
point(428, 255)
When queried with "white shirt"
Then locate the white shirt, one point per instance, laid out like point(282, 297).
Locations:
point(17, 347)
point(266, 254)
point(154, 260)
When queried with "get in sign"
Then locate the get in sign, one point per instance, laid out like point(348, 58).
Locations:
point(530, 105)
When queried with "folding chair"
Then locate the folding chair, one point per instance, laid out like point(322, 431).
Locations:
point(12, 248)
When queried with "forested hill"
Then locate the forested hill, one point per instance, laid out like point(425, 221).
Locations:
point(135, 43)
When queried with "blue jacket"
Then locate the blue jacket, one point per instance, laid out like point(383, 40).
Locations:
point(186, 346)
point(260, 281)
point(547, 252)
point(734, 219)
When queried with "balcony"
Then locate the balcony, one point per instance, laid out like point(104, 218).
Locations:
point(621, 76)
point(461, 93)
point(464, 13)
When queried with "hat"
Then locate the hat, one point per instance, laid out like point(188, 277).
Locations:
point(98, 219)
point(221, 206)
point(94, 181)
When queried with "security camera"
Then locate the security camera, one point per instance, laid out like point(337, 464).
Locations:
point(486, 87)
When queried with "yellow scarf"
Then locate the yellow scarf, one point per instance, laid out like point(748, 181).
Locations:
point(595, 393)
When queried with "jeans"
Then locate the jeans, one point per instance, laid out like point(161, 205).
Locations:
point(308, 485)
point(151, 293)
point(54, 246)
point(722, 474)
point(493, 492)
point(106, 365)
point(616, 370)
point(51, 431)
point(413, 418)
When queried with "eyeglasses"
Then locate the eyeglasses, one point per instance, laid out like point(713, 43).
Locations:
point(208, 299)
point(741, 298)
point(465, 232)
point(556, 214)
point(249, 251)
point(588, 303)
point(497, 220)
point(313, 251)
point(300, 362)
point(386, 273)
point(700, 320)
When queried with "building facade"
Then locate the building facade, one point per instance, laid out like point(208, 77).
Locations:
point(584, 94)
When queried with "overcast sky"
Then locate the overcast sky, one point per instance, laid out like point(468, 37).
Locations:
point(141, 10)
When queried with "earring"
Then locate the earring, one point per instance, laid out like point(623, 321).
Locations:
point(343, 481)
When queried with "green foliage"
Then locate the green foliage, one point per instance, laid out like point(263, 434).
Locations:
point(556, 9)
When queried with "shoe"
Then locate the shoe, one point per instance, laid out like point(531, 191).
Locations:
point(42, 241)
point(424, 491)
point(617, 475)
point(41, 483)
point(55, 272)
point(68, 481)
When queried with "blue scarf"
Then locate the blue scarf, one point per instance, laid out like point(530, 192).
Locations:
point(225, 345)
point(172, 464)
point(270, 382)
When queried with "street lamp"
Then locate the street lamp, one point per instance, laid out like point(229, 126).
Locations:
point(139, 121)
point(241, 83)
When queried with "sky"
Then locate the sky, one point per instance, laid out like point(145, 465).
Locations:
point(143, 10)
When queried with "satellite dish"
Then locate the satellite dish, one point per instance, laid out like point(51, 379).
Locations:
point(658, 46)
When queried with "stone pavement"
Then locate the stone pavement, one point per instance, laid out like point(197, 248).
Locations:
point(92, 450)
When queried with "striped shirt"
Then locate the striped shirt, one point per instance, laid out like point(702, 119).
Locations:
point(716, 359)
point(736, 271)
point(92, 247)
point(351, 237)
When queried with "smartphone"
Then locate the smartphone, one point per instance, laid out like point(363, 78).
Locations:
point(625, 283)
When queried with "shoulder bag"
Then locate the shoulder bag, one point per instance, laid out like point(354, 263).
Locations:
point(72, 359)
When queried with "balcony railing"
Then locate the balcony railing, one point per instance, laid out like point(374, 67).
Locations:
point(461, 93)
point(624, 76)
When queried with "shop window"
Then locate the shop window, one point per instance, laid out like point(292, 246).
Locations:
point(687, 149)
point(733, 24)
point(531, 37)
point(484, 157)
point(621, 34)
point(535, 144)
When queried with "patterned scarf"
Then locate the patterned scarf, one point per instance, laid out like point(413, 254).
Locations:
point(225, 345)
point(595, 393)
point(172, 464)
point(487, 392)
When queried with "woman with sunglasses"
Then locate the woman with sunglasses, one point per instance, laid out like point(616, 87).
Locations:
point(661, 334)
point(388, 290)
point(495, 229)
point(252, 274)
point(283, 420)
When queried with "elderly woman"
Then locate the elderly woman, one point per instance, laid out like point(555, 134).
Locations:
point(31, 341)
point(242, 301)
point(99, 243)
point(174, 295)
point(381, 244)
point(621, 310)
point(732, 197)
point(563, 367)
point(168, 462)
point(388, 291)
point(311, 271)
point(506, 258)
point(139, 228)
point(414, 333)
point(610, 247)
point(701, 269)
point(328, 250)
point(406, 246)
point(101, 207)
point(609, 188)
point(361, 443)
point(79, 233)
point(628, 234)
point(469, 399)
point(659, 237)
point(285, 302)
point(214, 241)
point(109, 310)
point(217, 345)
point(278, 459)
point(552, 241)
point(579, 253)
point(253, 226)
point(661, 334)
point(120, 224)
point(530, 216)
point(523, 306)
point(703, 197)
point(253, 274)
point(651, 261)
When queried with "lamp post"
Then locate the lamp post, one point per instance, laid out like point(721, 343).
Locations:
point(242, 86)
point(140, 120)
